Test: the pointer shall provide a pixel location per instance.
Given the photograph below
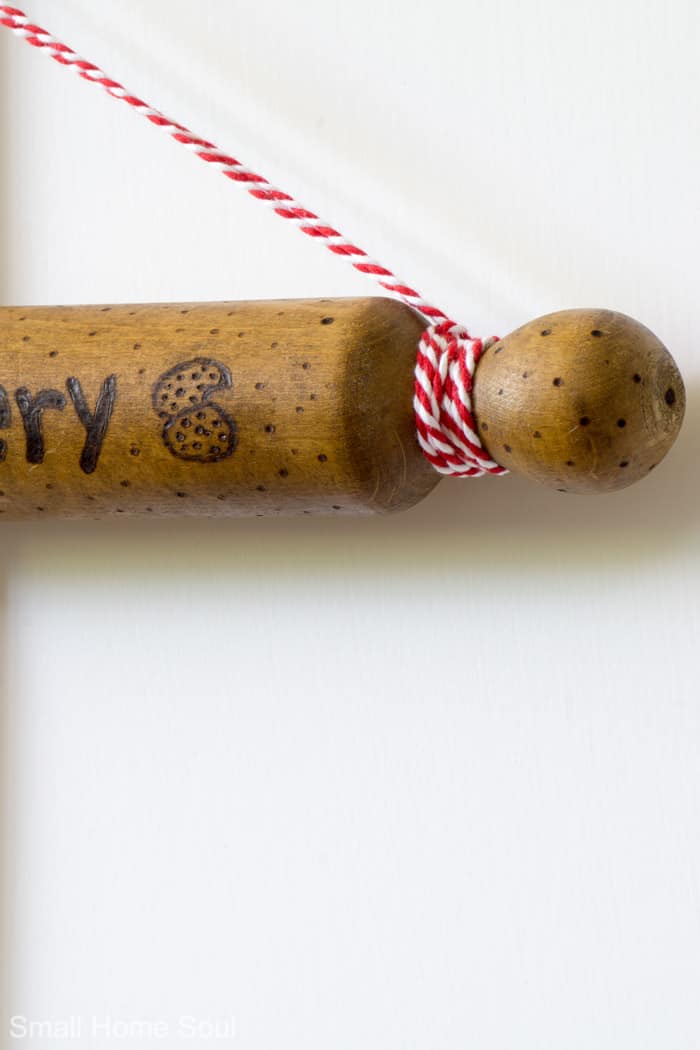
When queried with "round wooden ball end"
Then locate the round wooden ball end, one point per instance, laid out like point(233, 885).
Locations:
point(580, 400)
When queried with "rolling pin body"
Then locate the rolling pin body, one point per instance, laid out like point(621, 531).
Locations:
point(216, 409)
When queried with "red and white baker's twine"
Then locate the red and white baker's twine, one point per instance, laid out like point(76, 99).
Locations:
point(447, 354)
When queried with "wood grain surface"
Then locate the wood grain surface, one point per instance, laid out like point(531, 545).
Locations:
point(228, 408)
point(581, 400)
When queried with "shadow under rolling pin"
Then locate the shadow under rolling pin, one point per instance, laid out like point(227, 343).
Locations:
point(304, 407)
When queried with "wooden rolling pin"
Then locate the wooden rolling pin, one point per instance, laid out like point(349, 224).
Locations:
point(304, 407)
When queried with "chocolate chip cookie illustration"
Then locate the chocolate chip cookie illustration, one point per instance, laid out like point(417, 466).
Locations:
point(195, 427)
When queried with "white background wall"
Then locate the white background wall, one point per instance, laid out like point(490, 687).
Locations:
point(423, 782)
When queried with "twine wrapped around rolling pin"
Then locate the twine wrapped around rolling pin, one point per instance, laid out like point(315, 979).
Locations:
point(299, 407)
point(306, 407)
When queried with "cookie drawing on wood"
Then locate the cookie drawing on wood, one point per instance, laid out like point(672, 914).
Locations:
point(195, 427)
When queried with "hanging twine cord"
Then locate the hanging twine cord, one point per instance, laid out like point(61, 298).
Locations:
point(447, 353)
